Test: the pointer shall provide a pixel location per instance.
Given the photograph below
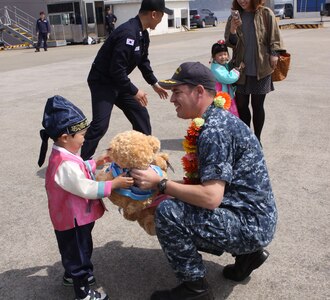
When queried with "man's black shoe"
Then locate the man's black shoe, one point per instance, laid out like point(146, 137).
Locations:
point(187, 290)
point(244, 265)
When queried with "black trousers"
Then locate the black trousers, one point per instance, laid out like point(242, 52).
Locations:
point(104, 97)
point(110, 28)
point(42, 37)
point(76, 248)
point(258, 111)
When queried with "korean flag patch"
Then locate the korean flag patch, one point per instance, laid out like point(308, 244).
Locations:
point(130, 42)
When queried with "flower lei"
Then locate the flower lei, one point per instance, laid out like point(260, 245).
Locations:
point(190, 159)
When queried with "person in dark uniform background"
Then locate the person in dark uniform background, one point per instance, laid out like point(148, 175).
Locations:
point(43, 31)
point(110, 20)
point(124, 50)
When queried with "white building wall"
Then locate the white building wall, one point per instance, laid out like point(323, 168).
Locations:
point(178, 8)
point(124, 11)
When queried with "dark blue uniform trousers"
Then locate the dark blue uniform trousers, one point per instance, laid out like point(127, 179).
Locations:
point(42, 37)
point(76, 247)
point(183, 230)
point(103, 98)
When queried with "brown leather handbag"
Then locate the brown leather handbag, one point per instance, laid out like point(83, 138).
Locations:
point(282, 67)
point(284, 58)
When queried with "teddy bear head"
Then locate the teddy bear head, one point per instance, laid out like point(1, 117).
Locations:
point(133, 150)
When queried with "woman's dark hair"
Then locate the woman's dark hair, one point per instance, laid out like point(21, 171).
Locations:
point(255, 4)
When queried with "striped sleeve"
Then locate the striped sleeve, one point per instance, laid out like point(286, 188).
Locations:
point(72, 179)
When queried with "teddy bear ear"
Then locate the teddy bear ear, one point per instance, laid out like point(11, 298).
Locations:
point(109, 153)
point(154, 143)
point(164, 156)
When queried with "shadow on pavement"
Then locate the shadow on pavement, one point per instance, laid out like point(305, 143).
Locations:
point(125, 273)
point(42, 172)
point(174, 145)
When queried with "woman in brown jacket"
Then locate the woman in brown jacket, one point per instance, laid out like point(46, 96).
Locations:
point(254, 35)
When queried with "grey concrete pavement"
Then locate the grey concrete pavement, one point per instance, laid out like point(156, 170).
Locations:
point(129, 264)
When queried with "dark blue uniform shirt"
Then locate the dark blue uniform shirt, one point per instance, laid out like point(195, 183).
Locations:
point(124, 50)
point(43, 26)
point(109, 19)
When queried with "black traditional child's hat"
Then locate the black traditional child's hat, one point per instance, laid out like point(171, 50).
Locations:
point(60, 116)
point(219, 46)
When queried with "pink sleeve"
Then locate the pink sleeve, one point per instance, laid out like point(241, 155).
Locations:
point(92, 164)
point(107, 188)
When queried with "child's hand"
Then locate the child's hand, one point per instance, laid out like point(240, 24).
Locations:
point(122, 182)
point(241, 66)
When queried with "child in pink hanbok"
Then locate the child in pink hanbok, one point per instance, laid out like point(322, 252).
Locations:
point(74, 197)
point(224, 75)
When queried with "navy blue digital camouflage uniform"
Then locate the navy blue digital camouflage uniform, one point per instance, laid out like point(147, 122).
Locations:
point(246, 218)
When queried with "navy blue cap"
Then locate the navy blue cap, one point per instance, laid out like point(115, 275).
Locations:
point(193, 73)
point(156, 5)
point(60, 116)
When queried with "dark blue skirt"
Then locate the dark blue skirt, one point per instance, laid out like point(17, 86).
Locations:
point(256, 87)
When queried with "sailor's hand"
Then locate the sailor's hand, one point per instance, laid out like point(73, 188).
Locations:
point(141, 97)
point(145, 179)
point(160, 91)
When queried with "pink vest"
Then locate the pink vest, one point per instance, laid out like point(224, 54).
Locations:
point(228, 89)
point(64, 207)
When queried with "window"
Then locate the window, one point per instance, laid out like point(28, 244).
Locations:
point(55, 19)
point(184, 17)
point(58, 8)
point(99, 15)
point(90, 13)
point(206, 11)
point(170, 21)
point(77, 13)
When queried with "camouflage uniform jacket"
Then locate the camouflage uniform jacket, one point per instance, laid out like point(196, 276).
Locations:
point(229, 151)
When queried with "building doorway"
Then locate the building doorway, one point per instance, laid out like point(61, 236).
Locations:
point(99, 13)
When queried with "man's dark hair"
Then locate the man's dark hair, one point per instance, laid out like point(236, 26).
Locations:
point(210, 92)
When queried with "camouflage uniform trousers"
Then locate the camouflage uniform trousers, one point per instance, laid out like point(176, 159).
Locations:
point(183, 230)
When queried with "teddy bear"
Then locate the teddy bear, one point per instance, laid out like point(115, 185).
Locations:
point(135, 150)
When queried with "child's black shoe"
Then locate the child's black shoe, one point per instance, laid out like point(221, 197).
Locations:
point(95, 295)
